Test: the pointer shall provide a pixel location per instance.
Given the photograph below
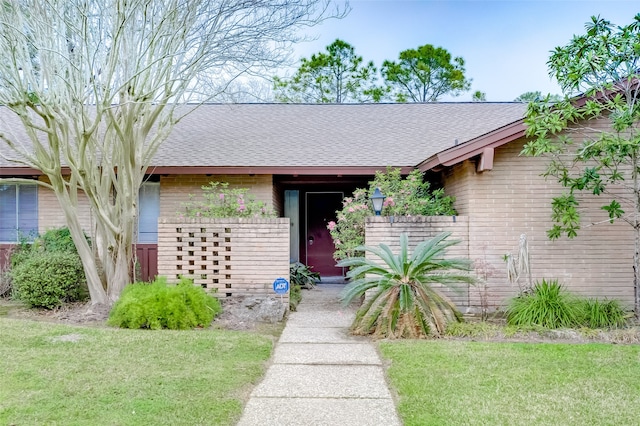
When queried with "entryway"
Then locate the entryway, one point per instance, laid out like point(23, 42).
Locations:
point(311, 243)
point(320, 210)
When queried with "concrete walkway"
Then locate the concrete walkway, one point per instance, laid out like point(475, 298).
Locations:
point(320, 374)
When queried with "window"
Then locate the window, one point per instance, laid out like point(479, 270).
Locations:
point(18, 212)
point(148, 212)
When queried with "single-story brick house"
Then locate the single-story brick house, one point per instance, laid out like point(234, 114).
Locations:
point(302, 159)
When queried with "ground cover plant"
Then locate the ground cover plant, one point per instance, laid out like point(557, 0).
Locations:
point(65, 375)
point(460, 382)
point(603, 314)
point(495, 330)
point(549, 305)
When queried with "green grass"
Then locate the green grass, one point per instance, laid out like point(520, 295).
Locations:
point(463, 383)
point(125, 377)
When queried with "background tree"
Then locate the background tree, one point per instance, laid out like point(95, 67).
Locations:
point(603, 64)
point(98, 86)
point(479, 96)
point(536, 97)
point(425, 74)
point(335, 76)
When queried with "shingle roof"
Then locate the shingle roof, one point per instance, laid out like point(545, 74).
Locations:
point(317, 135)
point(328, 135)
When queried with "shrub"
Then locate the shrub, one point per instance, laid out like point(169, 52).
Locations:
point(549, 305)
point(410, 196)
point(48, 279)
point(58, 240)
point(55, 240)
point(159, 305)
point(402, 297)
point(218, 201)
point(597, 314)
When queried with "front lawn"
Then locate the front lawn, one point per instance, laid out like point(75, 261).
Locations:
point(458, 382)
point(64, 375)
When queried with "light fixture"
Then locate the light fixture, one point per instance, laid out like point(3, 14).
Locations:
point(377, 198)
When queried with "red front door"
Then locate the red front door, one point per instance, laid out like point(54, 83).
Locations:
point(320, 210)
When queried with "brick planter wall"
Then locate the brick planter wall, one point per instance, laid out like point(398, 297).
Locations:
point(419, 228)
point(236, 257)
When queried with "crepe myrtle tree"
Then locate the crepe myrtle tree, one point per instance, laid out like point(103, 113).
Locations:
point(99, 84)
point(603, 65)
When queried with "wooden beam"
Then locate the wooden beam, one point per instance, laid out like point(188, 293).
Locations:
point(486, 160)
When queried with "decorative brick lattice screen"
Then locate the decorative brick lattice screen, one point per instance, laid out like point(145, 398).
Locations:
point(236, 257)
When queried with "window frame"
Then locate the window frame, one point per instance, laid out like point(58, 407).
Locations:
point(30, 230)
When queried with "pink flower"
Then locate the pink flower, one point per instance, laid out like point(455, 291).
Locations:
point(388, 202)
point(351, 210)
point(338, 242)
point(331, 225)
point(241, 208)
point(221, 197)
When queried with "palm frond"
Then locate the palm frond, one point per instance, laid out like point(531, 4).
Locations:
point(357, 288)
point(368, 267)
point(401, 298)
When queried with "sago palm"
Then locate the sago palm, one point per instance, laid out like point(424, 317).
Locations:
point(401, 299)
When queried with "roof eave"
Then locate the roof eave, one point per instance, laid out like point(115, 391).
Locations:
point(275, 170)
point(238, 170)
point(482, 145)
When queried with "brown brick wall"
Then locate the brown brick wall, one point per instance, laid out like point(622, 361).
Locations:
point(514, 199)
point(174, 190)
point(50, 214)
point(235, 257)
point(419, 228)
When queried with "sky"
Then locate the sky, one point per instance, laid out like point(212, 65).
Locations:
point(505, 43)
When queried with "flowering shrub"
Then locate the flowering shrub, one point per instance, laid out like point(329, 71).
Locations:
point(404, 197)
point(220, 201)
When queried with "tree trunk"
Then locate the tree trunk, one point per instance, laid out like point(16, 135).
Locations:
point(636, 272)
point(636, 230)
point(120, 270)
point(94, 282)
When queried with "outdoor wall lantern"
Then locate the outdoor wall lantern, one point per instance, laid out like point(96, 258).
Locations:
point(377, 198)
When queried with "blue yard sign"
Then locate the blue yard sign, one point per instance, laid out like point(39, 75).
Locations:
point(281, 286)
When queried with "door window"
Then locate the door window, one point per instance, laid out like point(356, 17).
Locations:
point(148, 212)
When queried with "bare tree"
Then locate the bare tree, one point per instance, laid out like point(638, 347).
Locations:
point(99, 84)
